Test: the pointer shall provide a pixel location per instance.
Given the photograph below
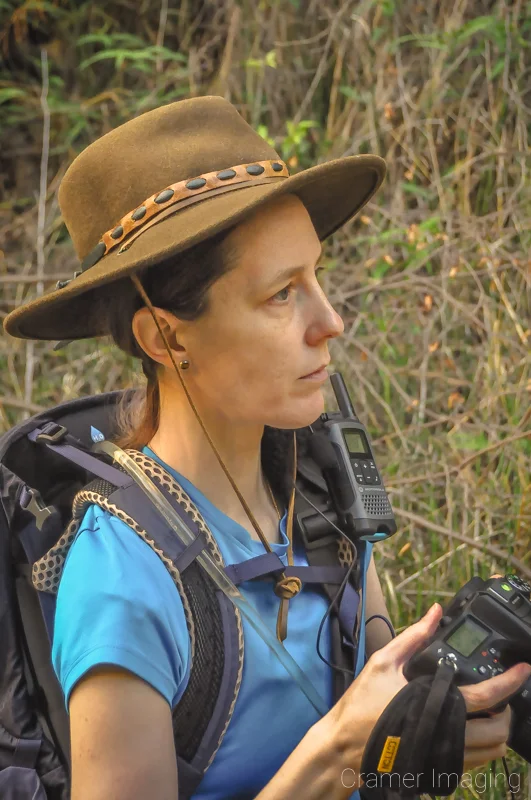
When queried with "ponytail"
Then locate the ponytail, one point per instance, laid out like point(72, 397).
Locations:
point(138, 416)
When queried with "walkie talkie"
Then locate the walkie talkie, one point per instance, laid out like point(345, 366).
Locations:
point(342, 450)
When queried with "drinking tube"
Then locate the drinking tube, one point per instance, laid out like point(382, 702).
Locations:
point(217, 574)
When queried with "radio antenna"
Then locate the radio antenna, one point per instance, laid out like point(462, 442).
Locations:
point(343, 400)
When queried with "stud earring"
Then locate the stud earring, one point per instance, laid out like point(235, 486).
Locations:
point(184, 364)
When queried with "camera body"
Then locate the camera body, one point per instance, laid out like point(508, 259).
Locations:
point(485, 630)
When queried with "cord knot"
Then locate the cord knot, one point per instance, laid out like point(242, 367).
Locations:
point(286, 588)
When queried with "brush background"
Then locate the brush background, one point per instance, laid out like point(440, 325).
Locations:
point(433, 279)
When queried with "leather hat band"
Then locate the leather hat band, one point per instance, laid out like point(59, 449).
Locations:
point(184, 193)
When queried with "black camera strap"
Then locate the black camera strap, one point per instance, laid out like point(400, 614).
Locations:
point(417, 745)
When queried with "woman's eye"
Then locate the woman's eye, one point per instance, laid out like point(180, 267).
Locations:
point(284, 294)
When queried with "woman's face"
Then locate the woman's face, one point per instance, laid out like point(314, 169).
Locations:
point(267, 325)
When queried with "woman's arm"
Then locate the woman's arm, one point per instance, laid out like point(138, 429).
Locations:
point(121, 739)
point(123, 747)
point(327, 762)
point(377, 632)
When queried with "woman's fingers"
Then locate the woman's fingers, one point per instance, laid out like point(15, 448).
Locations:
point(484, 695)
point(401, 648)
point(491, 732)
point(479, 756)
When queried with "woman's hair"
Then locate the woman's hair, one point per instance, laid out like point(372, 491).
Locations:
point(180, 285)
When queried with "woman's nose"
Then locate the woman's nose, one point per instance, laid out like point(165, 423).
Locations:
point(326, 324)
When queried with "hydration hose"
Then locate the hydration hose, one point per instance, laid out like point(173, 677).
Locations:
point(216, 573)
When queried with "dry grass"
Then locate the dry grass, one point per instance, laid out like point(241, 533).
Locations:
point(433, 280)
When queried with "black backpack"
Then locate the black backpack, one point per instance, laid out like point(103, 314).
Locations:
point(48, 476)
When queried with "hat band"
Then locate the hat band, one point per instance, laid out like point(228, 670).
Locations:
point(185, 193)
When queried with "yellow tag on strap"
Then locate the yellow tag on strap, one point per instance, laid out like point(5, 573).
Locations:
point(388, 756)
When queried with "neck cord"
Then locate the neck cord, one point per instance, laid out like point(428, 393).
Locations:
point(285, 587)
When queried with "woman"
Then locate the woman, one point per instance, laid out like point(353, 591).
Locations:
point(213, 283)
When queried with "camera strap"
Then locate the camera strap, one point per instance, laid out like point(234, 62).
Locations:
point(417, 745)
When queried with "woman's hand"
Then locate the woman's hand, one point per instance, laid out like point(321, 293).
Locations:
point(351, 721)
point(486, 739)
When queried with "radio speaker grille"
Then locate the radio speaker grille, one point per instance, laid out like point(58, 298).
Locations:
point(376, 505)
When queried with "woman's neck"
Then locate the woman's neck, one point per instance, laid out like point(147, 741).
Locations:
point(182, 444)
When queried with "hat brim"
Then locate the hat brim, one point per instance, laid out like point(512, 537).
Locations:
point(333, 193)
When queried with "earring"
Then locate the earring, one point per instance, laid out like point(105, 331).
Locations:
point(184, 364)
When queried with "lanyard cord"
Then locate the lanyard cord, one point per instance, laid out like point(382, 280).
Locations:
point(285, 587)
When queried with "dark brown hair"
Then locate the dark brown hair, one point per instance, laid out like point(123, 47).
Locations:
point(179, 285)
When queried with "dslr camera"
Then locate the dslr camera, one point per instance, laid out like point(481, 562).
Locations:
point(485, 629)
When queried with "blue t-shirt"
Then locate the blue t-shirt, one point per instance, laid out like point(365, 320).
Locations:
point(117, 604)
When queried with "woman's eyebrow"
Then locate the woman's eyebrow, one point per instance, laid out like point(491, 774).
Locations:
point(290, 272)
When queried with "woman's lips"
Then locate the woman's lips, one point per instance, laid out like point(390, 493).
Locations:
point(320, 374)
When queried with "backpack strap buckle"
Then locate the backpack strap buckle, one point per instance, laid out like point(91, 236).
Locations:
point(314, 530)
point(51, 432)
point(32, 501)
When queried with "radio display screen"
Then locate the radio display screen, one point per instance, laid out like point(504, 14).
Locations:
point(356, 443)
point(467, 637)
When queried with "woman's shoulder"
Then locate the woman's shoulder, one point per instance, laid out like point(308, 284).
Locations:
point(117, 604)
point(107, 555)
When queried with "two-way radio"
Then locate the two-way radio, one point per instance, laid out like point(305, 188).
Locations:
point(340, 446)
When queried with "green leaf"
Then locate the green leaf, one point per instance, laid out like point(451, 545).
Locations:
point(412, 188)
point(498, 69)
point(432, 224)
point(377, 34)
point(469, 441)
point(96, 38)
point(271, 59)
point(524, 445)
point(353, 94)
point(9, 94)
point(381, 269)
point(475, 26)
point(421, 40)
point(119, 56)
point(254, 63)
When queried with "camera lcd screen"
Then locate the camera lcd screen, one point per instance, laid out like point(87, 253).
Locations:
point(467, 637)
point(356, 444)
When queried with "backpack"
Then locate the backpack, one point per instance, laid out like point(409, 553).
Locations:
point(48, 476)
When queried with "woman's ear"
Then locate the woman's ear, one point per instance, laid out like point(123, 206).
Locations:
point(149, 338)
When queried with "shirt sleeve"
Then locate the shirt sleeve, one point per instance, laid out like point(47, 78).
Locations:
point(117, 604)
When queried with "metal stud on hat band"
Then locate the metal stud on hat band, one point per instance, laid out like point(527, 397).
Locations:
point(135, 221)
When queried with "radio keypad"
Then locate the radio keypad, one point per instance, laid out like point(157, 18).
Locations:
point(365, 472)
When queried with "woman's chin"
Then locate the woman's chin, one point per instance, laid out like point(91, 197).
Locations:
point(301, 413)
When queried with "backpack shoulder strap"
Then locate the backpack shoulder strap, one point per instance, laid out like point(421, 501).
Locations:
point(201, 718)
point(325, 547)
point(214, 624)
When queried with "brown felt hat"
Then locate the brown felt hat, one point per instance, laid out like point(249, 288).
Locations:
point(166, 181)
